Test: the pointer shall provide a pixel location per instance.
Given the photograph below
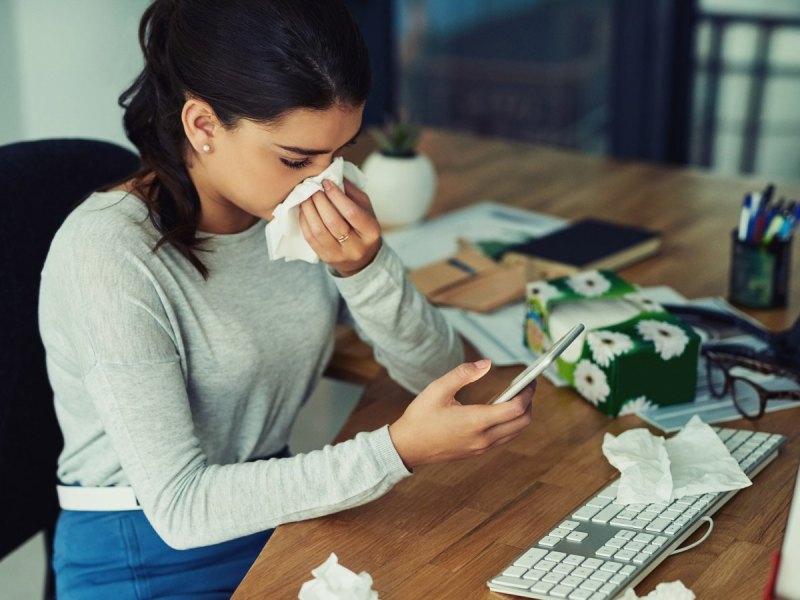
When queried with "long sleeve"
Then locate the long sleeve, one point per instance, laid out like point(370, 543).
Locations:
point(409, 336)
point(191, 503)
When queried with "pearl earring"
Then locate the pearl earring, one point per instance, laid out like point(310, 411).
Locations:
point(206, 148)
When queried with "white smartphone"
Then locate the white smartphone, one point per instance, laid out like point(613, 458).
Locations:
point(538, 366)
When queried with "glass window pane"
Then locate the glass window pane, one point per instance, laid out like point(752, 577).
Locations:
point(522, 69)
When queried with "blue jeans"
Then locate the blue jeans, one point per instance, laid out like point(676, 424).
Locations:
point(117, 555)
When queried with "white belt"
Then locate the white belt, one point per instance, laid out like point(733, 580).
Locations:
point(73, 497)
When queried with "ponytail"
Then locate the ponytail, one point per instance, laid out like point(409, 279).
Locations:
point(153, 105)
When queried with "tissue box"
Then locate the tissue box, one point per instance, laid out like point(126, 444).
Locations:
point(632, 355)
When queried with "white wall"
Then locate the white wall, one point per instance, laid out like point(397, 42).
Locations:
point(63, 64)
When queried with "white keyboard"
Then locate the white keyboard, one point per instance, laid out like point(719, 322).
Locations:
point(603, 548)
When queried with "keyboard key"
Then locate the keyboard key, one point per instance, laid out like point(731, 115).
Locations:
point(658, 525)
point(641, 558)
point(573, 559)
point(513, 571)
point(555, 556)
point(552, 578)
point(608, 588)
point(643, 537)
point(558, 533)
point(592, 563)
point(572, 581)
point(634, 546)
point(529, 558)
point(601, 576)
point(599, 501)
point(625, 535)
point(512, 582)
point(608, 513)
point(534, 575)
point(585, 513)
point(616, 543)
point(541, 587)
point(580, 594)
point(611, 566)
point(544, 565)
point(591, 584)
point(650, 549)
point(560, 591)
point(577, 536)
point(583, 572)
point(627, 570)
point(635, 524)
point(625, 555)
point(605, 551)
point(569, 525)
point(549, 541)
point(618, 578)
point(563, 568)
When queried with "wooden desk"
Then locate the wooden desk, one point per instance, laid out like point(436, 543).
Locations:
point(443, 532)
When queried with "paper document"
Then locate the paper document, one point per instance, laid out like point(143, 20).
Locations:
point(487, 221)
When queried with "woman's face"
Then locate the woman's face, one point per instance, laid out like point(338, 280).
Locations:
point(251, 168)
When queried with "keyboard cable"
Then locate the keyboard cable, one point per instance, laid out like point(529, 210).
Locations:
point(701, 540)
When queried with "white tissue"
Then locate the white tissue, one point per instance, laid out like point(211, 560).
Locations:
point(284, 237)
point(652, 469)
point(644, 464)
point(674, 590)
point(332, 581)
point(594, 314)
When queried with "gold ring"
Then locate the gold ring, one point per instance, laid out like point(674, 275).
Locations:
point(343, 238)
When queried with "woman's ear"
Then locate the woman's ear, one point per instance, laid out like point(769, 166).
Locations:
point(199, 123)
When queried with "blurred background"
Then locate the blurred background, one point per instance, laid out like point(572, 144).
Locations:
point(709, 83)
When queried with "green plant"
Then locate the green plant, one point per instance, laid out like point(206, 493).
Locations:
point(397, 138)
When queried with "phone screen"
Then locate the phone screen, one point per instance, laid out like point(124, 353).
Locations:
point(538, 366)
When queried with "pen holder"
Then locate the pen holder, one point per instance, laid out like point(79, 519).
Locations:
point(759, 273)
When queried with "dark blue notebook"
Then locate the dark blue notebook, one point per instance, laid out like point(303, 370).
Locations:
point(590, 244)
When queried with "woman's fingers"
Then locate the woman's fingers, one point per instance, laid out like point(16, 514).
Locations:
point(358, 216)
point(509, 428)
point(335, 224)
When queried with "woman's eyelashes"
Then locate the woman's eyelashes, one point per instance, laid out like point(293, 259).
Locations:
point(302, 164)
point(296, 164)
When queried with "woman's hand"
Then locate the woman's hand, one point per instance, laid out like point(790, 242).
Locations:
point(341, 227)
point(437, 428)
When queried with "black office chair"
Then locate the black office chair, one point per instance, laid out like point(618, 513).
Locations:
point(40, 182)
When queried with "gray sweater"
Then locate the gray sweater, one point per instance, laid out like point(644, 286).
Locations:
point(168, 382)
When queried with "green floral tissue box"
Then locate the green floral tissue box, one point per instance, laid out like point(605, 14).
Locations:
point(632, 355)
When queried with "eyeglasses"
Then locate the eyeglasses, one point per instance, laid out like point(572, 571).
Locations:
point(749, 397)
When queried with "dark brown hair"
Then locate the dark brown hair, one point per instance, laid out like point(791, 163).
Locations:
point(249, 59)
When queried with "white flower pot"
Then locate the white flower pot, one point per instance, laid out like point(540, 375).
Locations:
point(400, 189)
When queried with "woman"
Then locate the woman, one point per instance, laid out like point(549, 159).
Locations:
point(180, 354)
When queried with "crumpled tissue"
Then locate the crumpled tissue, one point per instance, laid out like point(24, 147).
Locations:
point(284, 237)
point(332, 581)
point(652, 469)
point(674, 590)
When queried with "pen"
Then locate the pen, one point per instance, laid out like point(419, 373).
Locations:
point(763, 215)
point(775, 226)
point(744, 217)
point(461, 265)
point(751, 227)
point(789, 224)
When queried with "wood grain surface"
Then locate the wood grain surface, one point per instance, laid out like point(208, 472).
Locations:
point(448, 529)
